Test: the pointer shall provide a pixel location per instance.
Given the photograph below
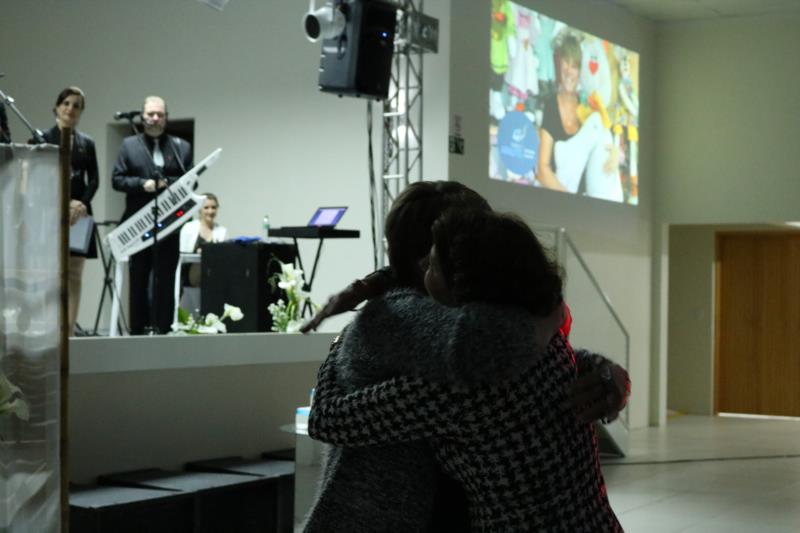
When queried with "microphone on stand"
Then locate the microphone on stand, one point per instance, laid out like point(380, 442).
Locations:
point(127, 115)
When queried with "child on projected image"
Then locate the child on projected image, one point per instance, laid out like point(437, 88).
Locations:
point(469, 372)
point(571, 149)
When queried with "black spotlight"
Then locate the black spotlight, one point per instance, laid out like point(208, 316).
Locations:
point(356, 59)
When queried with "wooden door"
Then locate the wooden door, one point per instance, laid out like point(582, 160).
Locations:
point(758, 323)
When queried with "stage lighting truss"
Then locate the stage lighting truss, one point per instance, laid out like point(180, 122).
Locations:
point(401, 158)
point(401, 161)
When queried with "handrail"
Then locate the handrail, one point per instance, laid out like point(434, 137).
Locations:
point(561, 244)
point(596, 284)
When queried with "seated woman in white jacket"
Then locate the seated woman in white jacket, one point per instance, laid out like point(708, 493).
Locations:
point(194, 234)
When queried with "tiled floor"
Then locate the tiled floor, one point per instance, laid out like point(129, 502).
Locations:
point(709, 474)
point(704, 474)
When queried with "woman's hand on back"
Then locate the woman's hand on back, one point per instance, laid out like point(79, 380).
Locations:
point(602, 393)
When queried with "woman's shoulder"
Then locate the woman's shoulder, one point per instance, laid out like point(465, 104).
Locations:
point(190, 226)
point(499, 342)
point(85, 138)
point(396, 301)
point(219, 232)
point(408, 305)
point(404, 295)
point(52, 136)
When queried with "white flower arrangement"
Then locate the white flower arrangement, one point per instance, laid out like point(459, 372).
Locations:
point(11, 400)
point(286, 315)
point(211, 324)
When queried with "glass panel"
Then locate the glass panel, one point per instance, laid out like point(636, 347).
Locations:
point(29, 339)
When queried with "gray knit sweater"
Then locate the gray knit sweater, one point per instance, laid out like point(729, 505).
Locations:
point(390, 488)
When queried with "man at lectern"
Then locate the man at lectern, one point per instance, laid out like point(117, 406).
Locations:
point(148, 163)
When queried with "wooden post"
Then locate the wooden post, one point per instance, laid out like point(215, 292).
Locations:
point(65, 175)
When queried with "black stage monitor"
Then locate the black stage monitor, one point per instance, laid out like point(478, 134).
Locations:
point(358, 62)
point(238, 274)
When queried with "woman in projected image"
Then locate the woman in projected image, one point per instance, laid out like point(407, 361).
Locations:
point(571, 150)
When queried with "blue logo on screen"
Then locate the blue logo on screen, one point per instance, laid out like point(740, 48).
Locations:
point(518, 143)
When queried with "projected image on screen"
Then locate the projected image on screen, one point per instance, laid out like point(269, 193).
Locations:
point(563, 106)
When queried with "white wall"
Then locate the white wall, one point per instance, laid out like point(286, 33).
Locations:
point(248, 77)
point(727, 130)
point(728, 122)
point(690, 379)
point(615, 239)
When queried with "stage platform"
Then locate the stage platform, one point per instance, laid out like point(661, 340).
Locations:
point(93, 355)
point(159, 402)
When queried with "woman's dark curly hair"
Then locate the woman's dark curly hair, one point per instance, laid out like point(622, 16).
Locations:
point(495, 257)
point(408, 224)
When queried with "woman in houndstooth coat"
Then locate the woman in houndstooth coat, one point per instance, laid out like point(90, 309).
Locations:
point(494, 410)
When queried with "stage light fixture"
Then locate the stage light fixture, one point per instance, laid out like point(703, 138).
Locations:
point(326, 22)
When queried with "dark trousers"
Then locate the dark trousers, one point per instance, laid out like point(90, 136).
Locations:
point(141, 306)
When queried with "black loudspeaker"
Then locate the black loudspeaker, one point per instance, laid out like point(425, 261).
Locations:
point(359, 61)
point(238, 274)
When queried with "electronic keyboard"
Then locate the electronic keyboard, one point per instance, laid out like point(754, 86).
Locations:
point(176, 203)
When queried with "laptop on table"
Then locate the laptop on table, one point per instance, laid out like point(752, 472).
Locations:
point(321, 224)
point(327, 217)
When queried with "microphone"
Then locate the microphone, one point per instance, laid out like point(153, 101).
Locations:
point(127, 115)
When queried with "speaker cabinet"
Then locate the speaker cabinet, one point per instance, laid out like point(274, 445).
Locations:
point(359, 62)
point(238, 274)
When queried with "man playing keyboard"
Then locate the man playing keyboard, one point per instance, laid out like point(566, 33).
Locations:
point(147, 163)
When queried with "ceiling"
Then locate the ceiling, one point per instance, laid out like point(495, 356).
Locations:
point(680, 10)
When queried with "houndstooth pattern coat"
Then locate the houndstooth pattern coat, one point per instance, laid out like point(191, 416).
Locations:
point(494, 410)
point(394, 488)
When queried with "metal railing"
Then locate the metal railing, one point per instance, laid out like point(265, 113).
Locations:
point(597, 325)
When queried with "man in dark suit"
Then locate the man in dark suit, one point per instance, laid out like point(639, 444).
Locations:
point(5, 133)
point(147, 164)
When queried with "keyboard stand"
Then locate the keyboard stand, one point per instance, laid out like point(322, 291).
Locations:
point(312, 232)
point(183, 259)
point(119, 273)
point(108, 280)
